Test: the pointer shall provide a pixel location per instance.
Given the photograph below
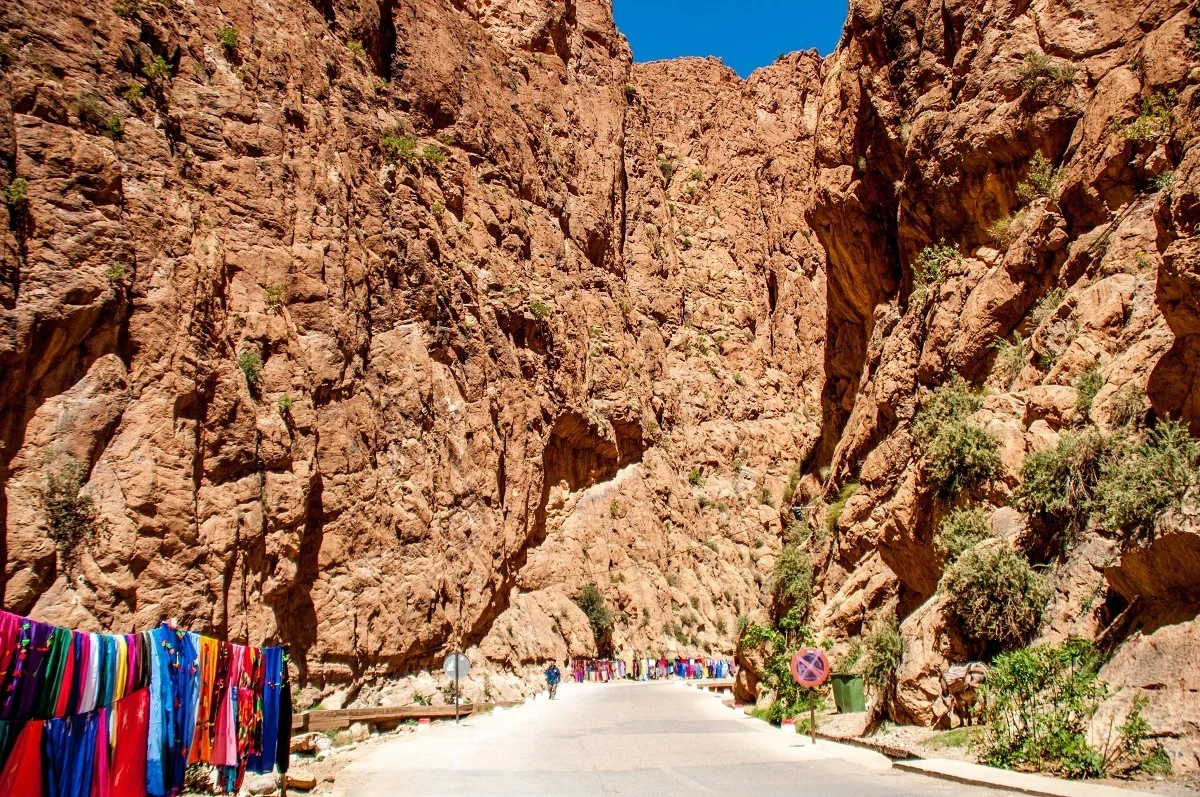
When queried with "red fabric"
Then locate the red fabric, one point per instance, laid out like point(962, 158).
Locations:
point(68, 679)
point(132, 730)
point(22, 773)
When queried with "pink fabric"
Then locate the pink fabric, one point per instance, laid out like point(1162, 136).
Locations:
point(225, 741)
point(101, 784)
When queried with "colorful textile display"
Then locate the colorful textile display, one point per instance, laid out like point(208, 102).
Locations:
point(104, 715)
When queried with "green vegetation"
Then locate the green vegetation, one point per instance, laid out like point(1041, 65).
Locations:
point(1163, 182)
point(1011, 357)
point(883, 652)
point(229, 38)
point(599, 616)
point(1058, 482)
point(834, 512)
point(116, 273)
point(398, 149)
point(126, 9)
point(781, 641)
point(1153, 120)
point(251, 364)
point(1046, 307)
point(789, 492)
point(1040, 71)
point(792, 578)
point(1042, 180)
point(285, 404)
point(995, 595)
point(630, 92)
point(764, 497)
point(133, 92)
point(667, 167)
point(1089, 384)
point(1142, 479)
point(438, 209)
point(273, 296)
point(1127, 406)
point(16, 193)
point(931, 267)
point(540, 310)
point(95, 117)
point(958, 455)
point(157, 70)
point(696, 477)
point(71, 514)
point(1039, 705)
point(433, 155)
point(357, 50)
point(1002, 230)
point(963, 529)
point(696, 174)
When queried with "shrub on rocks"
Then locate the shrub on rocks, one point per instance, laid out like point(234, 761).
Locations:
point(1143, 479)
point(958, 454)
point(792, 577)
point(1058, 482)
point(995, 595)
point(963, 529)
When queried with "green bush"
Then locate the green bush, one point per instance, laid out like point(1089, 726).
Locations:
point(126, 9)
point(792, 578)
point(1127, 406)
point(630, 92)
point(696, 477)
point(1004, 229)
point(995, 595)
point(764, 497)
point(286, 402)
point(932, 266)
point(1058, 482)
point(16, 193)
point(960, 457)
point(1011, 358)
point(540, 310)
point(1089, 384)
point(834, 512)
point(273, 296)
point(398, 149)
point(116, 273)
point(963, 529)
point(1153, 120)
point(133, 92)
point(229, 37)
point(157, 70)
point(1143, 479)
point(781, 642)
point(883, 653)
point(667, 167)
point(71, 514)
point(357, 50)
point(957, 454)
point(600, 617)
point(251, 364)
point(1042, 180)
point(433, 155)
point(1039, 704)
point(1039, 71)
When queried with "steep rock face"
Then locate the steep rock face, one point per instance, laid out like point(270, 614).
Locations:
point(392, 325)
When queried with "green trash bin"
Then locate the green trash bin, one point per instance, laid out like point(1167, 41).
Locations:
point(849, 694)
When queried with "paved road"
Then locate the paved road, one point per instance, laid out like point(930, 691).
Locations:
point(657, 739)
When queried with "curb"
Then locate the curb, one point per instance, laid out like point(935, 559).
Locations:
point(1007, 780)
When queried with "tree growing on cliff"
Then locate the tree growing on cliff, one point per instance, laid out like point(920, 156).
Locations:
point(1142, 479)
point(792, 578)
point(883, 653)
point(995, 595)
point(780, 642)
point(599, 616)
point(70, 512)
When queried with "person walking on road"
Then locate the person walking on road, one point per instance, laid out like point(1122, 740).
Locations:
point(553, 676)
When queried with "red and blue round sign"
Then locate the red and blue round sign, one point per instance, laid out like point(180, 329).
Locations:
point(810, 667)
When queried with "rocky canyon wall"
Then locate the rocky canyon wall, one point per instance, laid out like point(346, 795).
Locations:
point(375, 327)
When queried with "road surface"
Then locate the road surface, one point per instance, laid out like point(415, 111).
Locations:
point(658, 739)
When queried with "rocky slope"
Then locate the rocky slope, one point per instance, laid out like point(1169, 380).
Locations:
point(375, 328)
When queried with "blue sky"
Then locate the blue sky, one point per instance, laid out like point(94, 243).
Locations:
point(745, 35)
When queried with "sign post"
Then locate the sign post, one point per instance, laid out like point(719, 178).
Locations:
point(456, 666)
point(810, 669)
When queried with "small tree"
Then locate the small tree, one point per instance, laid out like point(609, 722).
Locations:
point(71, 513)
point(780, 642)
point(883, 653)
point(1039, 705)
point(792, 578)
point(1058, 482)
point(600, 617)
point(995, 595)
point(957, 454)
point(1143, 479)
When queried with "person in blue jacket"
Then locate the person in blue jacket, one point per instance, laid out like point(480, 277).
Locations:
point(553, 676)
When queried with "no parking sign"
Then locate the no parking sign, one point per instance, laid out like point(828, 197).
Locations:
point(810, 667)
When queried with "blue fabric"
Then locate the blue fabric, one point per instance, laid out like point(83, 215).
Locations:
point(68, 753)
point(174, 691)
point(185, 669)
point(161, 700)
point(272, 680)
